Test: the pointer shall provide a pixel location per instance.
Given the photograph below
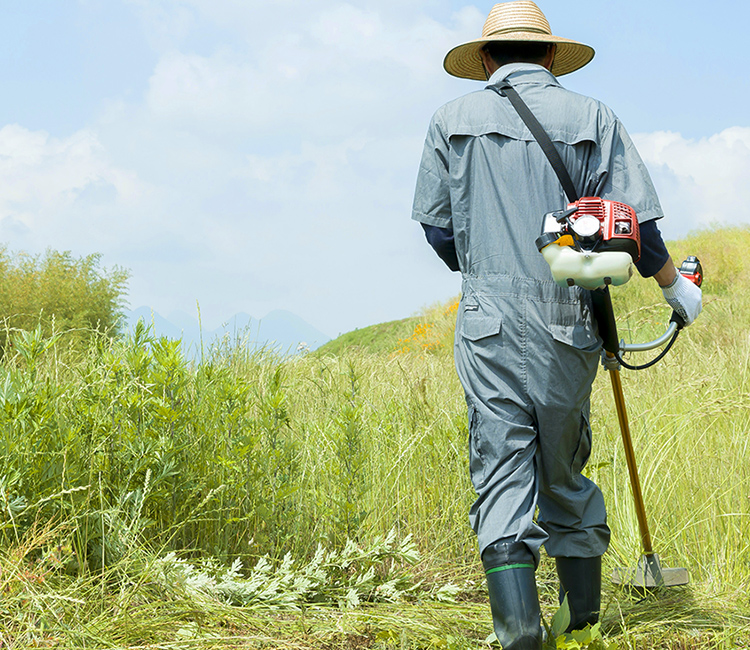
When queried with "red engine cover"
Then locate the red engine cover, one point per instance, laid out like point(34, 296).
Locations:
point(619, 224)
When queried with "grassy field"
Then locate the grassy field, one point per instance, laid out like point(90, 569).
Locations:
point(246, 500)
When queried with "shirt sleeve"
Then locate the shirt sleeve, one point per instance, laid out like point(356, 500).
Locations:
point(432, 202)
point(442, 241)
point(622, 176)
point(654, 254)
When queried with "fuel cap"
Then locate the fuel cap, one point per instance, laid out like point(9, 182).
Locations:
point(587, 227)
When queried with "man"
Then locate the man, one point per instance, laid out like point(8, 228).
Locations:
point(526, 349)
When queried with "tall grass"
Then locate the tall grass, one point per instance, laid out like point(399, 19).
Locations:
point(126, 453)
point(242, 455)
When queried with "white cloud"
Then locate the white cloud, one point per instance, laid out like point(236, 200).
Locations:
point(700, 182)
point(309, 119)
point(341, 68)
point(167, 23)
point(60, 189)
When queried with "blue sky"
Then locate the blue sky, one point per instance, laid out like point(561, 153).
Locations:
point(254, 156)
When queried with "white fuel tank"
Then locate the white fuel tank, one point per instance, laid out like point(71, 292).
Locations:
point(585, 269)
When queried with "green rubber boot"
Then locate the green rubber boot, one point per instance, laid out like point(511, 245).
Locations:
point(581, 579)
point(513, 596)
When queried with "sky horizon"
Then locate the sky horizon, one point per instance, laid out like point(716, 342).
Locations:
point(251, 156)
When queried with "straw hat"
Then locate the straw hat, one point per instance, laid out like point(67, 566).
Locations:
point(516, 21)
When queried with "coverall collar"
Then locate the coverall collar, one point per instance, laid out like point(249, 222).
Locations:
point(524, 73)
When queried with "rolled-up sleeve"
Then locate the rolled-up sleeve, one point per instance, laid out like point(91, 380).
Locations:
point(623, 176)
point(432, 202)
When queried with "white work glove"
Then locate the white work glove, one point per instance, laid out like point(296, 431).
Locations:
point(684, 297)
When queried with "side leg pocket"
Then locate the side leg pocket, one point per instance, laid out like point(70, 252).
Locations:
point(583, 451)
point(477, 465)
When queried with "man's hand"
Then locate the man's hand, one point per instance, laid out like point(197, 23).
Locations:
point(684, 297)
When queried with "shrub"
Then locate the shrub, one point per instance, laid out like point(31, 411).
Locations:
point(57, 291)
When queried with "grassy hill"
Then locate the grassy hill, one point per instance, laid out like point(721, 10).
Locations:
point(431, 331)
point(721, 253)
point(320, 501)
point(379, 338)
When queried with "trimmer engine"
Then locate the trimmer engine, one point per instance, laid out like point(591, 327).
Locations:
point(592, 243)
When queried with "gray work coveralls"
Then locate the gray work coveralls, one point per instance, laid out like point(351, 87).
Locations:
point(526, 350)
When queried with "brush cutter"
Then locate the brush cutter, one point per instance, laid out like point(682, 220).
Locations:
point(649, 573)
point(593, 244)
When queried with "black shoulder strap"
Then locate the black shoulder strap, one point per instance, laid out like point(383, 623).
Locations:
point(504, 89)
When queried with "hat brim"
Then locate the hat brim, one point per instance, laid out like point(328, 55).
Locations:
point(464, 60)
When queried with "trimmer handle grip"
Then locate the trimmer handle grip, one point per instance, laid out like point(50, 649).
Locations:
point(602, 306)
point(676, 318)
point(692, 269)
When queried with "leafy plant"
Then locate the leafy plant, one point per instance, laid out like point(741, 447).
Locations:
point(589, 637)
point(344, 578)
point(57, 293)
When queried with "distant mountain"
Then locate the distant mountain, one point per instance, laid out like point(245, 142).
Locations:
point(161, 326)
point(281, 330)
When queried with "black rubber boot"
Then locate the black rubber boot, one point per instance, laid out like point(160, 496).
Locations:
point(513, 596)
point(581, 579)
